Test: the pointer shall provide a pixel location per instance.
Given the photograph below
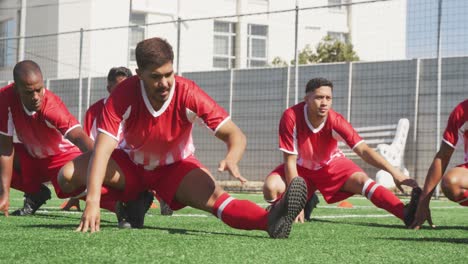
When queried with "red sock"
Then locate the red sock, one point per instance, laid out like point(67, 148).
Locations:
point(383, 198)
point(463, 201)
point(240, 214)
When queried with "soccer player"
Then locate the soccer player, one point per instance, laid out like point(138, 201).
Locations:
point(156, 111)
point(115, 76)
point(455, 181)
point(308, 134)
point(50, 136)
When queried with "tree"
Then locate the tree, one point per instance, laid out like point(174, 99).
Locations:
point(333, 50)
point(328, 50)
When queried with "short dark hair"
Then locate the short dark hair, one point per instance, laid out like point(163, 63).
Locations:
point(118, 71)
point(25, 68)
point(153, 52)
point(316, 83)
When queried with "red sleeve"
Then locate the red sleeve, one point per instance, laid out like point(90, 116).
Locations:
point(288, 133)
point(93, 112)
point(6, 123)
point(88, 122)
point(200, 103)
point(59, 116)
point(117, 104)
point(346, 131)
point(454, 123)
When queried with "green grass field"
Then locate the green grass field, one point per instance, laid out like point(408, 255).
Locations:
point(363, 234)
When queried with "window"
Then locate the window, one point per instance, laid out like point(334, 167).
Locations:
point(336, 2)
point(137, 32)
point(7, 46)
point(343, 37)
point(224, 55)
point(257, 45)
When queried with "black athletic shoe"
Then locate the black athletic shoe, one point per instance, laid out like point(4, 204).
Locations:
point(412, 206)
point(165, 209)
point(121, 213)
point(133, 212)
point(310, 205)
point(32, 202)
point(282, 214)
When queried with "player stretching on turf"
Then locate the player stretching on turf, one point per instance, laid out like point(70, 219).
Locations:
point(308, 135)
point(455, 181)
point(50, 137)
point(156, 111)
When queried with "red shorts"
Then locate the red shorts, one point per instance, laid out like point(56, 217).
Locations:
point(36, 171)
point(328, 180)
point(465, 165)
point(165, 180)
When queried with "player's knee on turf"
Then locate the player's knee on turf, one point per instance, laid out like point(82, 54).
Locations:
point(451, 185)
point(273, 187)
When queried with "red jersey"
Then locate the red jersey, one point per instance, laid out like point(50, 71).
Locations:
point(457, 127)
point(314, 147)
point(43, 132)
point(91, 115)
point(156, 138)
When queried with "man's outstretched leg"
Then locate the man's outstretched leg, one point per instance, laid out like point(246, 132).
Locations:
point(199, 190)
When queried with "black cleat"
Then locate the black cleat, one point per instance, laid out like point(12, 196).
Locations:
point(132, 213)
point(310, 205)
point(165, 209)
point(32, 202)
point(121, 213)
point(282, 214)
point(412, 206)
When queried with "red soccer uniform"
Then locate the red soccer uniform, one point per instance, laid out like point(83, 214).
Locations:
point(457, 128)
point(314, 147)
point(157, 138)
point(93, 112)
point(43, 133)
point(43, 149)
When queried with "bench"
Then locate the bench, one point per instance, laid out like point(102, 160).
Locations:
point(388, 140)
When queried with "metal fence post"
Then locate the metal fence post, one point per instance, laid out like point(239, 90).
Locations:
point(296, 58)
point(178, 45)
point(80, 92)
point(439, 82)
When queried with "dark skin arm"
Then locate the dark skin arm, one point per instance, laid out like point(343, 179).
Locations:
point(6, 171)
point(433, 177)
point(79, 138)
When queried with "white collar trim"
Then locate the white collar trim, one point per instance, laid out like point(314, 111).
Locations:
point(311, 127)
point(148, 103)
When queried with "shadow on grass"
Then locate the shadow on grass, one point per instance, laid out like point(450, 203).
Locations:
point(425, 227)
point(112, 224)
point(180, 231)
point(429, 239)
point(357, 223)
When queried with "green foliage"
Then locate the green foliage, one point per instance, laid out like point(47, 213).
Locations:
point(279, 62)
point(328, 50)
point(333, 50)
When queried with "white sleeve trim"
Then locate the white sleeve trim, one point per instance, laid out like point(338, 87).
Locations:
point(362, 141)
point(5, 134)
point(448, 143)
point(70, 129)
point(289, 152)
point(109, 134)
point(222, 123)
